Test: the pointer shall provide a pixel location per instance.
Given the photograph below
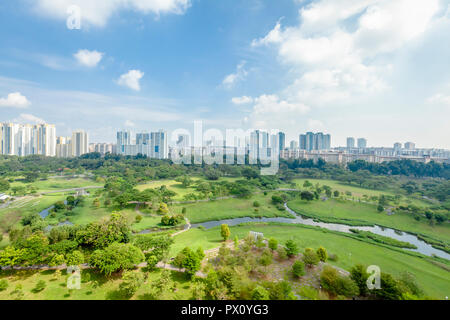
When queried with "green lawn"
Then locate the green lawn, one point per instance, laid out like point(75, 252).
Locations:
point(358, 192)
point(59, 184)
point(433, 279)
point(231, 208)
point(351, 212)
point(107, 289)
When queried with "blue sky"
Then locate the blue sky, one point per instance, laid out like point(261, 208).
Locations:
point(377, 69)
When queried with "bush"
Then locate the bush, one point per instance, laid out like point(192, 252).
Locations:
point(256, 204)
point(310, 257)
point(138, 218)
point(322, 254)
point(298, 269)
point(291, 248)
point(282, 255)
point(40, 286)
point(259, 293)
point(336, 284)
point(4, 284)
point(273, 244)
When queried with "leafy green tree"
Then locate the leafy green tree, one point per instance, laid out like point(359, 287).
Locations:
point(40, 286)
point(298, 269)
point(57, 260)
point(359, 275)
point(336, 193)
point(266, 258)
point(225, 232)
point(75, 258)
point(4, 185)
point(273, 244)
point(380, 208)
point(190, 261)
point(306, 195)
point(116, 257)
point(322, 254)
point(291, 248)
point(310, 257)
point(259, 293)
point(390, 288)
point(131, 282)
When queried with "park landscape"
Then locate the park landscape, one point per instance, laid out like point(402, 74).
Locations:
point(139, 228)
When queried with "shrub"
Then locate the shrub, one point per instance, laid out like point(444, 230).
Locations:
point(138, 218)
point(336, 284)
point(40, 286)
point(291, 248)
point(3, 284)
point(333, 257)
point(273, 244)
point(256, 204)
point(310, 257)
point(322, 254)
point(298, 269)
point(259, 293)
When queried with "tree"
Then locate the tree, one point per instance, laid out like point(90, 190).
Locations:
point(163, 284)
point(163, 209)
point(4, 185)
point(298, 269)
point(259, 293)
point(291, 248)
point(336, 284)
point(322, 254)
point(380, 208)
point(307, 184)
point(189, 260)
point(359, 274)
point(75, 258)
point(266, 258)
point(306, 195)
point(4, 284)
point(117, 256)
point(310, 257)
point(390, 289)
point(273, 244)
point(336, 193)
point(131, 282)
point(225, 232)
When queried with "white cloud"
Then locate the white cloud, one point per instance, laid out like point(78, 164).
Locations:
point(440, 99)
point(15, 100)
point(334, 59)
point(98, 12)
point(129, 123)
point(242, 100)
point(230, 80)
point(27, 118)
point(131, 79)
point(271, 112)
point(88, 58)
point(315, 125)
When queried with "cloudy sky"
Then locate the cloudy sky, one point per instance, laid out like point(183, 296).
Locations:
point(378, 69)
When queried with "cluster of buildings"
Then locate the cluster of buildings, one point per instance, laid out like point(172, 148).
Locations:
point(151, 144)
point(41, 139)
point(24, 140)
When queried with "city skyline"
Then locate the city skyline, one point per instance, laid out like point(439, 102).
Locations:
point(369, 71)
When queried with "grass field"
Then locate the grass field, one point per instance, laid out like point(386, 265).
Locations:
point(108, 288)
point(177, 187)
point(231, 208)
point(351, 212)
point(54, 184)
point(358, 192)
point(433, 279)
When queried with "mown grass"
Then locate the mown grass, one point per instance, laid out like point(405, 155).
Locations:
point(355, 213)
point(107, 287)
point(231, 208)
point(433, 279)
point(54, 184)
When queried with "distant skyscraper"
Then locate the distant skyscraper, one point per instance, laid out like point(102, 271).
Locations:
point(143, 138)
point(327, 142)
point(159, 148)
point(302, 141)
point(350, 142)
point(80, 143)
point(410, 145)
point(362, 143)
point(294, 145)
point(310, 141)
point(282, 140)
point(397, 146)
point(63, 147)
point(123, 139)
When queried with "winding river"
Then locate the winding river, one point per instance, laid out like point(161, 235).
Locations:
point(422, 246)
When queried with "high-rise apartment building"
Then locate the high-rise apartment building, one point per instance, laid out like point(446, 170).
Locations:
point(294, 145)
point(25, 139)
point(315, 141)
point(362, 143)
point(123, 139)
point(80, 143)
point(410, 145)
point(350, 143)
point(282, 140)
point(143, 138)
point(159, 147)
